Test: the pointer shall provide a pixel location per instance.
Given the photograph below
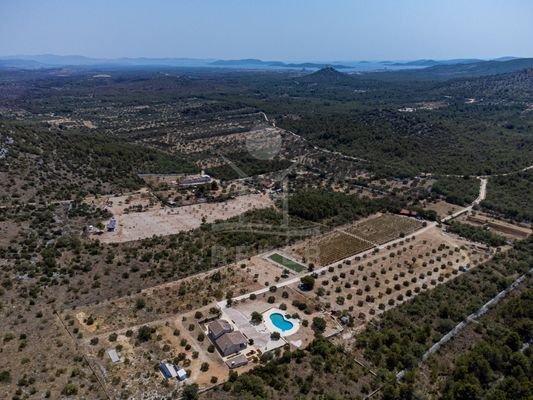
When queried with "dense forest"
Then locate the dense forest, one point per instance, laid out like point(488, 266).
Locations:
point(415, 143)
point(511, 196)
point(500, 366)
point(461, 191)
point(323, 205)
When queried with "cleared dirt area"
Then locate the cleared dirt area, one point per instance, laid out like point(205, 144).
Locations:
point(161, 221)
point(442, 208)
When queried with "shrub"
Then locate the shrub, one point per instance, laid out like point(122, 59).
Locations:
point(70, 390)
point(308, 282)
point(256, 318)
point(319, 325)
point(5, 376)
point(140, 303)
point(144, 334)
point(190, 392)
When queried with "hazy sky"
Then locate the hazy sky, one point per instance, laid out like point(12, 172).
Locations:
point(269, 29)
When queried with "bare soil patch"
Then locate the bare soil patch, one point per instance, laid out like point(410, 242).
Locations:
point(159, 220)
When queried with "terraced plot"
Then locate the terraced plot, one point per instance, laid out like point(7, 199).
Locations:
point(384, 228)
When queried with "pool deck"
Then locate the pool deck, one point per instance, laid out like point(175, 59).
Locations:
point(273, 328)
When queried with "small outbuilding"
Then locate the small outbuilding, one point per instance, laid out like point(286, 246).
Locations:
point(168, 370)
point(182, 374)
point(112, 225)
point(237, 362)
point(113, 355)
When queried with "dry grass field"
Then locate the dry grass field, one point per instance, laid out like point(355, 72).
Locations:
point(442, 208)
point(162, 301)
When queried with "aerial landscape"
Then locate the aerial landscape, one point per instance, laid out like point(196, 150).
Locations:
point(242, 201)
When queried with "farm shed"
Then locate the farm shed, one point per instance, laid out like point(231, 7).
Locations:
point(168, 370)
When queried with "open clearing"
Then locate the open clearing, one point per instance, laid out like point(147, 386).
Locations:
point(161, 220)
point(442, 208)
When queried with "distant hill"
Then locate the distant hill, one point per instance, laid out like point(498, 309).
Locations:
point(327, 76)
point(416, 69)
point(468, 70)
point(256, 63)
point(432, 63)
point(511, 87)
point(17, 63)
point(55, 61)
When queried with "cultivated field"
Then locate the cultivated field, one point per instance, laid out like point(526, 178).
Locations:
point(348, 241)
point(330, 248)
point(384, 228)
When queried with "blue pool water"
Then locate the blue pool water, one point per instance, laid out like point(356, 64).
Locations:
point(280, 322)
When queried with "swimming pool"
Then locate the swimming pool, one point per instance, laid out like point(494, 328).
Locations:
point(281, 322)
